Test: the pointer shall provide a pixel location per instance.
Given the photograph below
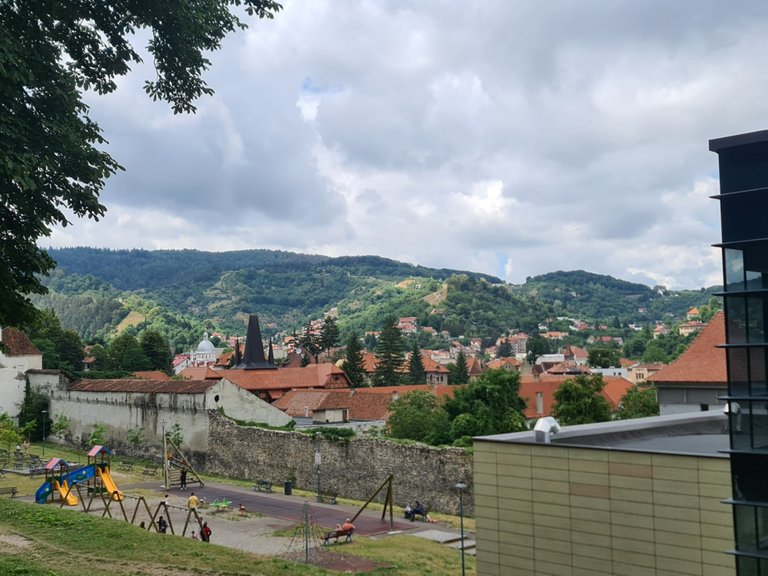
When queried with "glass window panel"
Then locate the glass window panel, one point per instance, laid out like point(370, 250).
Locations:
point(734, 269)
point(759, 429)
point(762, 527)
point(738, 371)
point(755, 263)
point(757, 371)
point(747, 566)
point(735, 311)
point(746, 528)
point(749, 474)
point(756, 325)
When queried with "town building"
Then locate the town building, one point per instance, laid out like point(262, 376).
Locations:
point(17, 355)
point(627, 497)
point(743, 202)
point(697, 380)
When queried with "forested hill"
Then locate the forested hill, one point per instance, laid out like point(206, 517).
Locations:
point(182, 292)
point(149, 270)
point(601, 297)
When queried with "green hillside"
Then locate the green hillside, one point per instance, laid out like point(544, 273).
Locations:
point(183, 292)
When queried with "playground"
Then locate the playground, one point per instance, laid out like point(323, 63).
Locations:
point(241, 517)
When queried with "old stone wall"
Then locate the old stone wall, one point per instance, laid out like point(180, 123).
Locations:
point(354, 468)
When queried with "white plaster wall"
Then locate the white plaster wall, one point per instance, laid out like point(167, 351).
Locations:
point(240, 404)
point(124, 411)
point(12, 381)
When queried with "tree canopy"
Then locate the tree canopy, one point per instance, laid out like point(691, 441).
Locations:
point(638, 403)
point(390, 353)
point(418, 416)
point(52, 162)
point(417, 374)
point(353, 363)
point(579, 401)
point(489, 405)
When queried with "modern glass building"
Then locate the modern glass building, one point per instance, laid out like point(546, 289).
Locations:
point(744, 218)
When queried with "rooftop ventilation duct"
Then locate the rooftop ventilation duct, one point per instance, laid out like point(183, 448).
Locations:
point(544, 429)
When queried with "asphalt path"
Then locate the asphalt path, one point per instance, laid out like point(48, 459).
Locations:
point(291, 508)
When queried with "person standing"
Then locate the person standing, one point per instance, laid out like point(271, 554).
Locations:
point(183, 478)
point(162, 525)
point(193, 501)
point(205, 532)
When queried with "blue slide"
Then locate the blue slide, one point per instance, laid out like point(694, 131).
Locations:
point(75, 477)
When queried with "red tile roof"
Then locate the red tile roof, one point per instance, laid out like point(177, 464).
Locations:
point(17, 343)
point(143, 386)
point(151, 375)
point(614, 390)
point(201, 373)
point(324, 375)
point(701, 363)
point(507, 362)
point(303, 403)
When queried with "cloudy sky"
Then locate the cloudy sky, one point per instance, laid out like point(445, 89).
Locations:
point(508, 137)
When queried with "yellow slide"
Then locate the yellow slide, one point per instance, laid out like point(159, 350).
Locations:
point(63, 488)
point(109, 484)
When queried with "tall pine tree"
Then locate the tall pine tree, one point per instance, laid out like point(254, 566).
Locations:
point(329, 334)
point(390, 354)
point(354, 364)
point(459, 372)
point(416, 372)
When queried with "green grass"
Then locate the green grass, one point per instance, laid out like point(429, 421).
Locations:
point(69, 543)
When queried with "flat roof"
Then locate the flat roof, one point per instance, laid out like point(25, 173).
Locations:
point(718, 144)
point(691, 433)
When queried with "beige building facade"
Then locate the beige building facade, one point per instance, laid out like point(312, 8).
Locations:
point(640, 497)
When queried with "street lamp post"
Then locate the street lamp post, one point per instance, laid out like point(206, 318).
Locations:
point(318, 461)
point(165, 456)
point(45, 413)
point(461, 487)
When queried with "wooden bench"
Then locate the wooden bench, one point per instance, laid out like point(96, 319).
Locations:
point(150, 471)
point(346, 534)
point(263, 486)
point(126, 467)
point(9, 490)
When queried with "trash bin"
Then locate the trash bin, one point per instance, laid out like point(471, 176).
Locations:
point(287, 487)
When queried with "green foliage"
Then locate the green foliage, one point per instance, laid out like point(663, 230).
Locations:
point(53, 163)
point(97, 437)
point(126, 354)
point(175, 434)
point(10, 435)
point(329, 334)
point(62, 349)
point(418, 416)
point(35, 414)
point(60, 426)
point(458, 372)
point(489, 405)
point(537, 346)
point(390, 354)
point(353, 363)
point(416, 372)
point(666, 347)
point(309, 343)
point(579, 401)
point(135, 437)
point(156, 349)
point(603, 357)
point(638, 403)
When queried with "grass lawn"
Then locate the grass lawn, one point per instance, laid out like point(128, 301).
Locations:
point(46, 540)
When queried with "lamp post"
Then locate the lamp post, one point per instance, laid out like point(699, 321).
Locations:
point(45, 413)
point(318, 461)
point(165, 459)
point(461, 487)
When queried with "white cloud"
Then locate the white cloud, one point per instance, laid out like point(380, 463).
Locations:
point(507, 137)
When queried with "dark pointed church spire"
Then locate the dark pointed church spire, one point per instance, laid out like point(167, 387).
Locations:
point(271, 354)
point(254, 348)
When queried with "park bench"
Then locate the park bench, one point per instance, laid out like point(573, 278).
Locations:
point(330, 497)
point(263, 486)
point(150, 470)
point(9, 490)
point(125, 466)
point(340, 533)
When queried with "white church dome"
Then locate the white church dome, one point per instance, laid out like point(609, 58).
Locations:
point(205, 346)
